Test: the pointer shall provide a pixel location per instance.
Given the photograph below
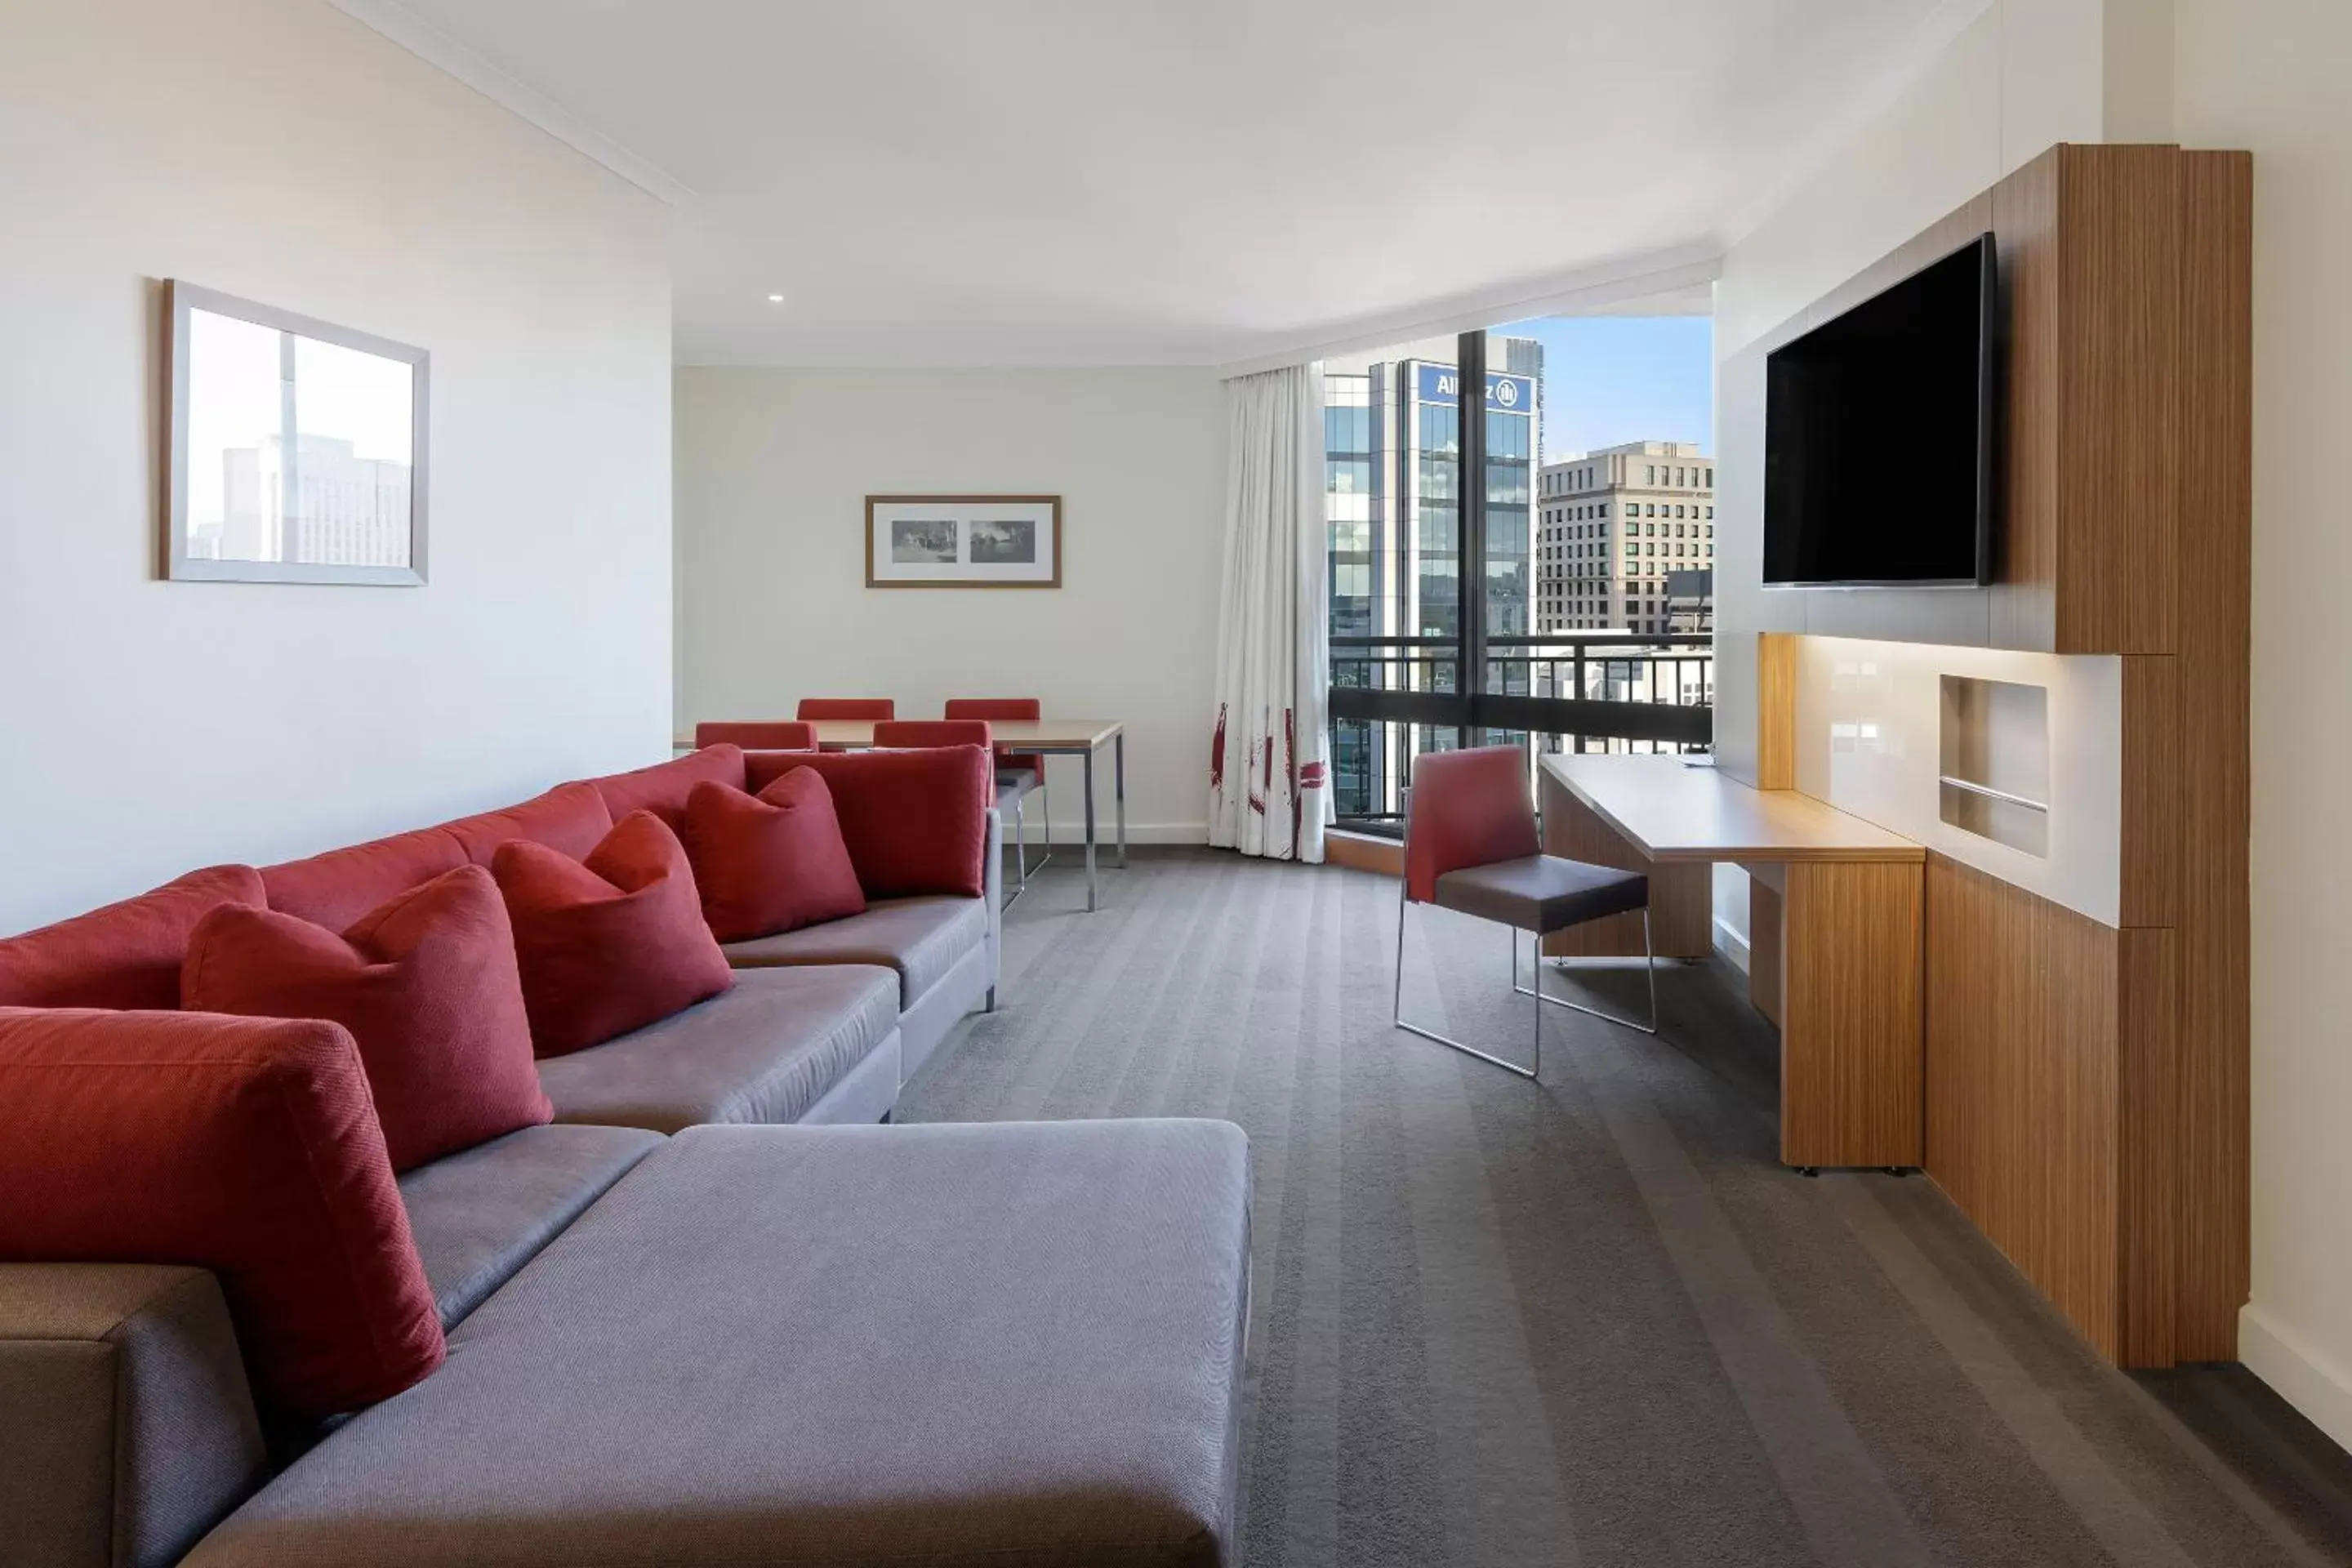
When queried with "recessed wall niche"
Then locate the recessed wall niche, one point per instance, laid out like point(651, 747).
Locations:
point(1994, 761)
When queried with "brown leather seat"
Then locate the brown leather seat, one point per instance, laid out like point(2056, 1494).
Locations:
point(1541, 893)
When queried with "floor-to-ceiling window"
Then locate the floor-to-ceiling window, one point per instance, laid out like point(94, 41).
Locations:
point(1453, 550)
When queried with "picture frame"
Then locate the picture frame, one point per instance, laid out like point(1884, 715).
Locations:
point(963, 542)
point(296, 450)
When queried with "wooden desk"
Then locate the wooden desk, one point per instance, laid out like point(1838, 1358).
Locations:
point(1029, 737)
point(1834, 932)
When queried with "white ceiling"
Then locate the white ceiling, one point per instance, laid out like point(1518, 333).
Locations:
point(936, 182)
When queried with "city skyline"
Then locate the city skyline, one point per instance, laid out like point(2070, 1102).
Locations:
point(1593, 539)
point(1391, 488)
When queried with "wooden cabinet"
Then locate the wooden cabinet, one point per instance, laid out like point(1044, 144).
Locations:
point(2086, 1083)
point(2087, 1099)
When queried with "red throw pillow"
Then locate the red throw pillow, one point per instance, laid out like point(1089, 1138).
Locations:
point(247, 1146)
point(426, 984)
point(916, 822)
point(610, 945)
point(770, 862)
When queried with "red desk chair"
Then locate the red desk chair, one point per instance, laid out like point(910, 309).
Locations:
point(1018, 776)
point(847, 708)
point(765, 735)
point(1471, 845)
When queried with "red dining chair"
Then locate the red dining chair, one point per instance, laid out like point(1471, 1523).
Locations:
point(1471, 845)
point(1018, 774)
point(847, 708)
point(758, 735)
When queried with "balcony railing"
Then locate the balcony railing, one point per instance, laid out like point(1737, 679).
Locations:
point(1393, 698)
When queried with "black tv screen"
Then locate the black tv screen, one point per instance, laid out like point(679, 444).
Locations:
point(1878, 433)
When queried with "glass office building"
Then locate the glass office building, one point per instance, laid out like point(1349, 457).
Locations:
point(1392, 429)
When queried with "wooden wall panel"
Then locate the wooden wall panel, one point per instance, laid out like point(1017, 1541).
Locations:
point(1850, 1049)
point(1776, 710)
point(1764, 948)
point(2119, 385)
point(2150, 822)
point(2215, 592)
point(2024, 605)
point(2148, 1119)
point(2022, 1046)
point(1681, 896)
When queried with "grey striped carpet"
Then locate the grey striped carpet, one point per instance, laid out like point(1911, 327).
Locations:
point(1591, 1320)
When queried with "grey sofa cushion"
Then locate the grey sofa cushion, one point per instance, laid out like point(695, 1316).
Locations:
point(480, 1215)
point(766, 1051)
point(921, 938)
point(952, 1345)
point(126, 1424)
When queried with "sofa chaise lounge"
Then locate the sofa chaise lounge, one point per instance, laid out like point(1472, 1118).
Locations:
point(679, 1331)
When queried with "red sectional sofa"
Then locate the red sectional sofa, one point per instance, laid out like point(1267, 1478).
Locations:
point(813, 1030)
point(666, 1339)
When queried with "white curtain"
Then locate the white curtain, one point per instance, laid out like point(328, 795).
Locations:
point(1268, 780)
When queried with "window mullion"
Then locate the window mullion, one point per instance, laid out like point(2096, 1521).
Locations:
point(1470, 389)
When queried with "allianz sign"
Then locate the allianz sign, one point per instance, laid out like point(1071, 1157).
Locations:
point(1504, 393)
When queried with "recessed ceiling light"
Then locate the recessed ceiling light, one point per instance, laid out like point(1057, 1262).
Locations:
point(775, 298)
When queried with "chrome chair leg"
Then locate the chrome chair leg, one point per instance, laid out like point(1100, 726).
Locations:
point(1398, 1000)
point(1431, 1034)
point(1648, 968)
point(1020, 855)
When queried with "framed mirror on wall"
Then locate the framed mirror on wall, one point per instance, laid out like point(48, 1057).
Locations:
point(296, 448)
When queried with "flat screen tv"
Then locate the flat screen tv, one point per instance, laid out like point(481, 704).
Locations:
point(1878, 438)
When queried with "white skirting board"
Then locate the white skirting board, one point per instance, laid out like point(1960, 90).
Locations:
point(1071, 831)
point(2301, 1377)
point(1731, 945)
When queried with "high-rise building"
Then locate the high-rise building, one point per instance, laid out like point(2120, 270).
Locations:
point(1392, 429)
point(1393, 449)
point(1612, 527)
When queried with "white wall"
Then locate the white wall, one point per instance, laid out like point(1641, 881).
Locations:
point(2023, 75)
point(277, 150)
point(774, 469)
point(2268, 75)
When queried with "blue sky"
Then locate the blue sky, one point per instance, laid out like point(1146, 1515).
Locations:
point(1623, 378)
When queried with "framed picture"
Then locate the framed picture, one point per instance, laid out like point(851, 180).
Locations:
point(297, 447)
point(963, 542)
